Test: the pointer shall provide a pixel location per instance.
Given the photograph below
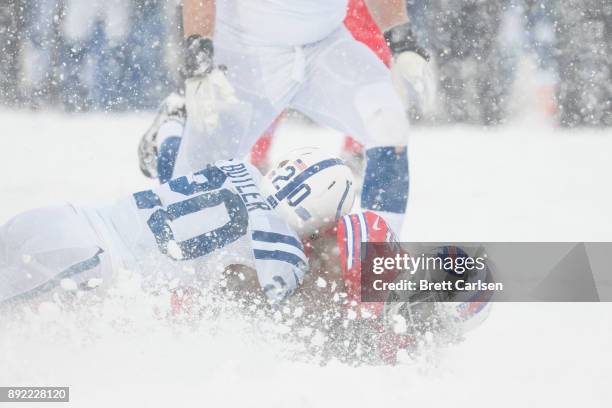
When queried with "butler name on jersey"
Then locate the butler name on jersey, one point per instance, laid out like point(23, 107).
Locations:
point(191, 229)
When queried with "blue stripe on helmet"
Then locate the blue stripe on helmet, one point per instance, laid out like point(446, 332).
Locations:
point(305, 175)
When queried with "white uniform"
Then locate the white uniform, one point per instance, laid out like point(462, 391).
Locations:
point(190, 229)
point(279, 22)
point(294, 54)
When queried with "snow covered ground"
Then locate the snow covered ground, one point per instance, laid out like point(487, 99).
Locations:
point(521, 182)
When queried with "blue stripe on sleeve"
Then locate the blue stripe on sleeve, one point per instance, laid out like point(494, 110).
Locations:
point(276, 238)
point(279, 256)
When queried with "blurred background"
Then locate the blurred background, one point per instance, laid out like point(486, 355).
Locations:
point(124, 55)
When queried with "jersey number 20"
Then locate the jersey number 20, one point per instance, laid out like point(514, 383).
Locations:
point(160, 222)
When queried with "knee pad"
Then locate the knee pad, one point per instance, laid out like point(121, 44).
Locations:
point(386, 180)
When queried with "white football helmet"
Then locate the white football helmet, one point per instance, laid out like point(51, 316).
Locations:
point(310, 188)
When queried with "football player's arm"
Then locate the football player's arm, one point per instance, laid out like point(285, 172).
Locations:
point(198, 29)
point(280, 260)
point(241, 279)
point(279, 279)
point(388, 13)
point(199, 18)
point(392, 18)
point(206, 86)
point(411, 73)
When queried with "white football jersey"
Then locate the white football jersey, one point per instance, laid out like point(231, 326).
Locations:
point(196, 226)
point(279, 22)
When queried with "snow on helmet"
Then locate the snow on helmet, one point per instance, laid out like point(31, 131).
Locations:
point(310, 188)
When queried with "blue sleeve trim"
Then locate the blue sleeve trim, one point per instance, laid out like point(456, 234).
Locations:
point(281, 256)
point(276, 238)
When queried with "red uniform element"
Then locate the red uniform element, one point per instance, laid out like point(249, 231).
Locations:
point(183, 301)
point(360, 23)
point(352, 146)
point(352, 231)
point(261, 148)
point(364, 29)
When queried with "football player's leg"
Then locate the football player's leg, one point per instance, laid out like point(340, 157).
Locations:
point(170, 136)
point(350, 89)
point(262, 83)
point(159, 145)
point(364, 29)
point(47, 250)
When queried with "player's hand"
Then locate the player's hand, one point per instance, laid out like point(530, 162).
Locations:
point(199, 56)
point(411, 72)
point(206, 86)
point(414, 82)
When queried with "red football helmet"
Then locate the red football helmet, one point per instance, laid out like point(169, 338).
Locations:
point(352, 231)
